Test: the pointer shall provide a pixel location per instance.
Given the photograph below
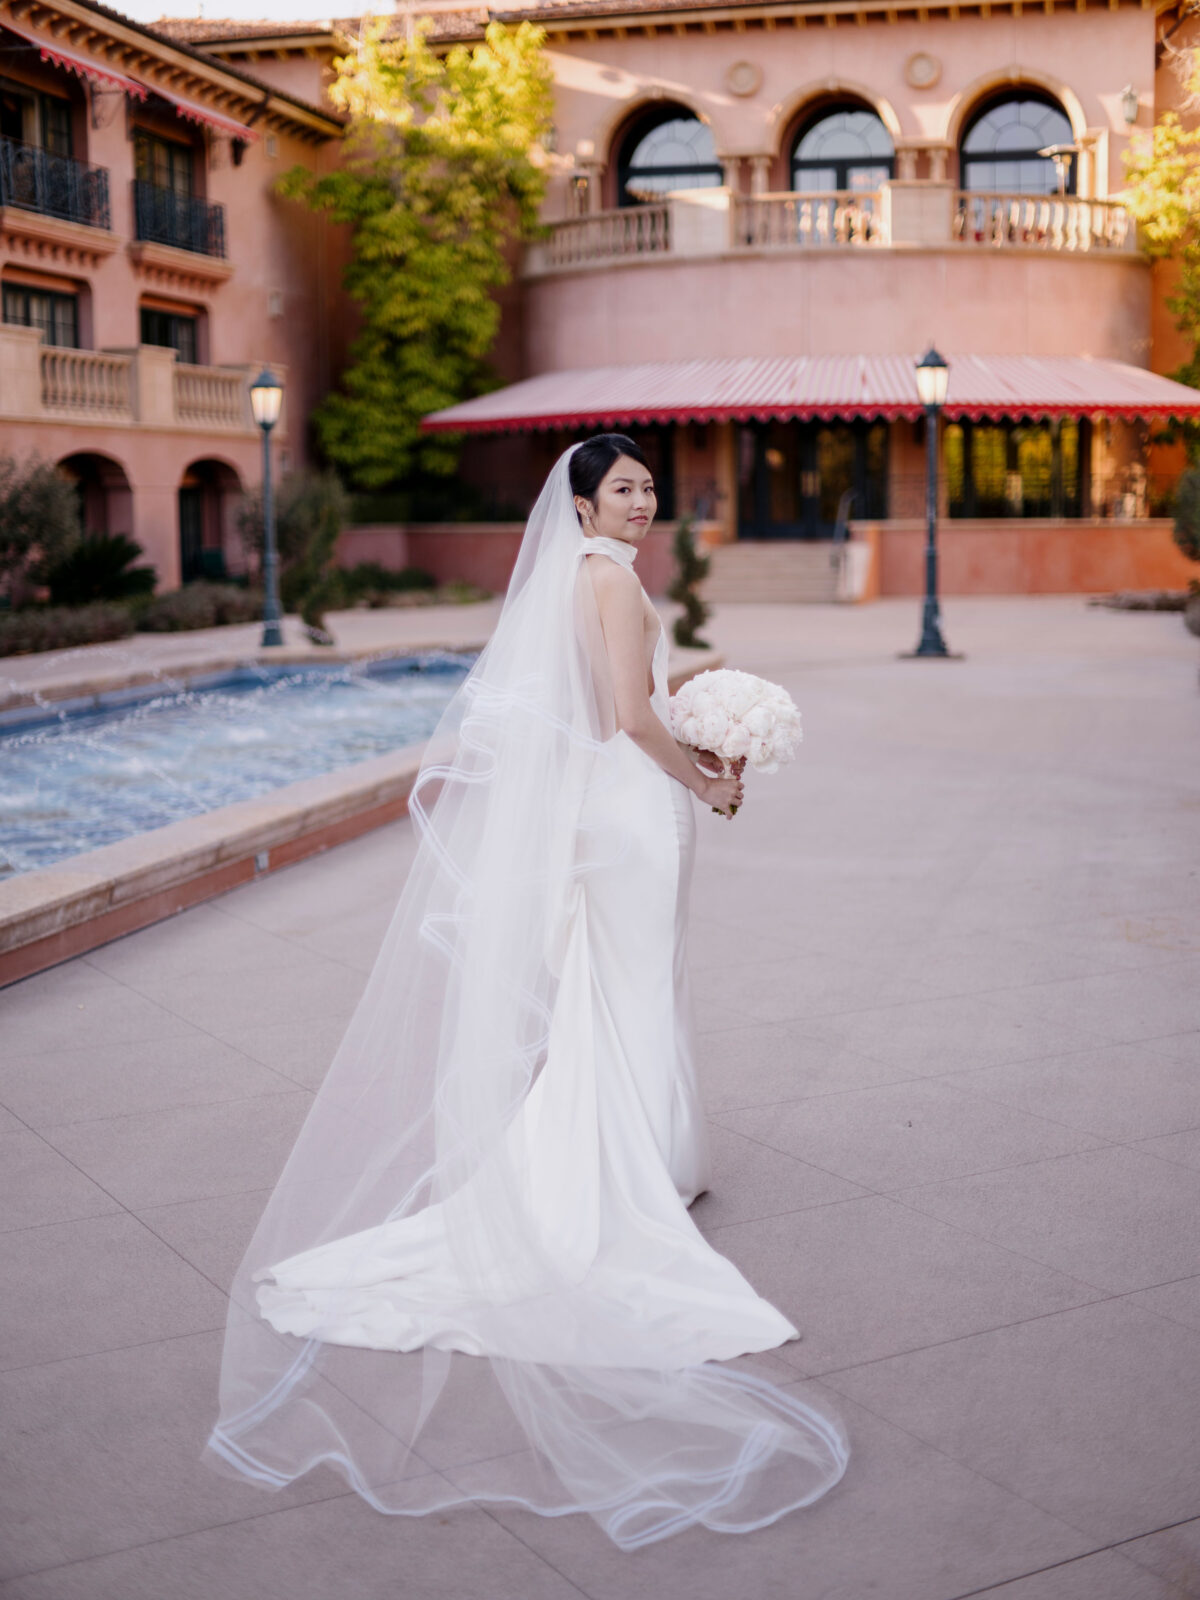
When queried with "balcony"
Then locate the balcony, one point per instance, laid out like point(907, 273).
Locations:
point(183, 222)
point(142, 387)
point(900, 215)
point(53, 186)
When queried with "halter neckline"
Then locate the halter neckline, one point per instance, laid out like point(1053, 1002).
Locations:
point(619, 549)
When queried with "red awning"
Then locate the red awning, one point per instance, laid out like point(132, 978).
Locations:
point(758, 388)
point(202, 115)
point(98, 72)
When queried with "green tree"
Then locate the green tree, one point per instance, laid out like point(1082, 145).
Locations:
point(39, 521)
point(443, 176)
point(311, 509)
point(1163, 194)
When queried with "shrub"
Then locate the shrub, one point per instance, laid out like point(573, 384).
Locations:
point(1187, 514)
point(311, 509)
point(39, 519)
point(373, 584)
point(99, 566)
point(691, 570)
point(62, 627)
point(198, 605)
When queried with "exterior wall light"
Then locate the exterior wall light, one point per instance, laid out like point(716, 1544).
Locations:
point(1129, 104)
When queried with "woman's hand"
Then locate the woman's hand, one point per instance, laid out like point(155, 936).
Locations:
point(708, 761)
point(723, 794)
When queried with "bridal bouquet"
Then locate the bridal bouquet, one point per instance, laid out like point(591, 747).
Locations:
point(734, 715)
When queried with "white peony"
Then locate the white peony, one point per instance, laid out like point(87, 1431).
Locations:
point(736, 714)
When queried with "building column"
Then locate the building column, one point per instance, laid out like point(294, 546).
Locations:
point(760, 174)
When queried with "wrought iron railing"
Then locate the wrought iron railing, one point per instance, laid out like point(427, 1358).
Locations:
point(55, 186)
point(163, 217)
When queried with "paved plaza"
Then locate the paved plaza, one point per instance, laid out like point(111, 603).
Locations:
point(947, 974)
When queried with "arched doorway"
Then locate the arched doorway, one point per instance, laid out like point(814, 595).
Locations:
point(104, 492)
point(208, 496)
point(841, 147)
point(664, 149)
point(1003, 140)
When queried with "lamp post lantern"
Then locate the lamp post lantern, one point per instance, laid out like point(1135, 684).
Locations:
point(266, 399)
point(933, 377)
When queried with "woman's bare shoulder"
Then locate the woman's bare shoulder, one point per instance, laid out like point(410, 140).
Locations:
point(610, 576)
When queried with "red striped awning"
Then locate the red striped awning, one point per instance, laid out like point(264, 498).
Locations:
point(759, 388)
point(206, 118)
point(98, 72)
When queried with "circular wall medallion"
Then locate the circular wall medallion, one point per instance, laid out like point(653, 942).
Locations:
point(922, 71)
point(743, 78)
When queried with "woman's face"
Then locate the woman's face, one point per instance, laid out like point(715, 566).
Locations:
point(625, 503)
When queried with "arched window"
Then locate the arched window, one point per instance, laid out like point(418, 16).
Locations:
point(842, 147)
point(672, 149)
point(999, 150)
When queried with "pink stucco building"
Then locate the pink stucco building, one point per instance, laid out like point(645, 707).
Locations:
point(148, 272)
point(759, 212)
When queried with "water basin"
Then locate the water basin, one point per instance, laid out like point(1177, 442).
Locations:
point(75, 777)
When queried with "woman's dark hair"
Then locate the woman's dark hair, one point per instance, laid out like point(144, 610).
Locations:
point(591, 462)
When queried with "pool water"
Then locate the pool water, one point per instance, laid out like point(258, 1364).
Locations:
point(72, 779)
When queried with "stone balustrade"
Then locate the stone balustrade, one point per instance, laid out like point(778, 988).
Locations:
point(1045, 222)
point(797, 220)
point(140, 387)
point(901, 213)
point(86, 383)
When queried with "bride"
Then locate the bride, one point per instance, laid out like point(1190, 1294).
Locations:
point(477, 1278)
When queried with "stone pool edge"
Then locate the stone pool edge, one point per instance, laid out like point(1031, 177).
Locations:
point(52, 914)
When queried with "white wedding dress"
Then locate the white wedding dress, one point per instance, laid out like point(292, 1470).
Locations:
point(477, 1278)
point(609, 1146)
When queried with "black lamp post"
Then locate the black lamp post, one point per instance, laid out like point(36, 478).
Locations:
point(933, 376)
point(266, 399)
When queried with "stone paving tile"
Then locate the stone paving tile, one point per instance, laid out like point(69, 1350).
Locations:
point(905, 1523)
point(749, 1181)
point(337, 1549)
point(210, 1234)
point(37, 1185)
point(63, 1008)
point(1086, 1413)
point(308, 987)
point(1180, 1301)
point(95, 1080)
point(1105, 1576)
point(1120, 1092)
point(763, 1063)
point(932, 1037)
point(208, 940)
point(74, 1288)
point(1142, 1005)
point(1172, 1553)
point(186, 1152)
point(863, 1279)
point(1181, 1148)
point(804, 986)
point(1114, 1217)
point(896, 1134)
point(110, 1457)
point(299, 1051)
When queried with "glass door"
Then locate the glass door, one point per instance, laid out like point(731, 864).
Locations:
point(795, 477)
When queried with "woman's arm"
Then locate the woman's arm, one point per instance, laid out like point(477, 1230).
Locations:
point(622, 617)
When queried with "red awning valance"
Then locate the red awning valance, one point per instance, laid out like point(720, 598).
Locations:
point(759, 388)
point(205, 117)
point(98, 72)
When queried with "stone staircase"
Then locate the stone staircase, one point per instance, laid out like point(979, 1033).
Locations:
point(787, 571)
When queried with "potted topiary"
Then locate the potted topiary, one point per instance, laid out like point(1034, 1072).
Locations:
point(1187, 537)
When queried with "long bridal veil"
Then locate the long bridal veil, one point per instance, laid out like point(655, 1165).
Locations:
point(421, 1306)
